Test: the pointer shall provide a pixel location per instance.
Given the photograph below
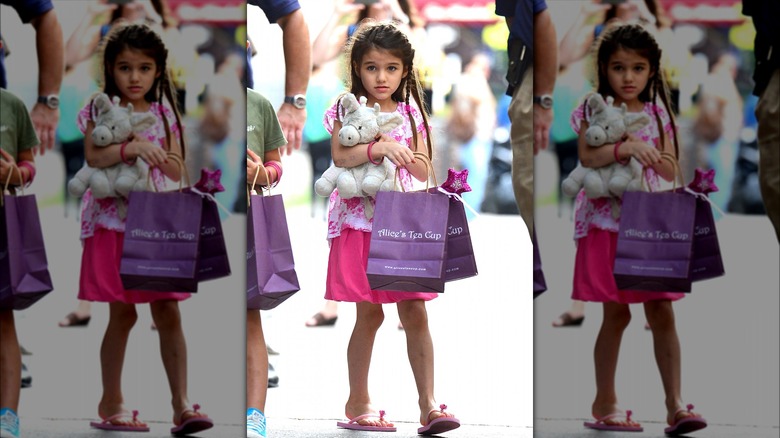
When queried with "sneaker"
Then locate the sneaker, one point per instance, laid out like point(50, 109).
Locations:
point(273, 377)
point(255, 424)
point(26, 377)
point(9, 423)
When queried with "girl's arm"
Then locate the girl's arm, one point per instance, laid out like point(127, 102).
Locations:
point(83, 41)
point(157, 157)
point(418, 168)
point(343, 156)
point(663, 167)
point(107, 156)
point(253, 163)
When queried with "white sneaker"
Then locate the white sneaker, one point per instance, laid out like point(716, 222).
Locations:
point(9, 424)
point(255, 424)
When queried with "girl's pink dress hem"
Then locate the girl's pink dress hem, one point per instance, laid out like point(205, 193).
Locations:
point(100, 281)
point(593, 279)
point(347, 280)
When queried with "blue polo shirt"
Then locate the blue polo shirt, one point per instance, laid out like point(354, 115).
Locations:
point(523, 12)
point(276, 9)
point(27, 10)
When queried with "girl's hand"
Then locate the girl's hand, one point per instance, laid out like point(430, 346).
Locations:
point(152, 154)
point(6, 164)
point(398, 154)
point(253, 163)
point(646, 154)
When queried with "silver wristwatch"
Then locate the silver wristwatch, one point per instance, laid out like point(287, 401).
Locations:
point(298, 101)
point(52, 101)
point(545, 101)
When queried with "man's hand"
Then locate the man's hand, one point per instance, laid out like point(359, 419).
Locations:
point(45, 121)
point(542, 121)
point(292, 120)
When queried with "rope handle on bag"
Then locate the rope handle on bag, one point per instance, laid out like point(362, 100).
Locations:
point(254, 183)
point(677, 174)
point(8, 183)
point(185, 176)
point(424, 158)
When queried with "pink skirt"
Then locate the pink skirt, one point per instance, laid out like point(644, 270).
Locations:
point(347, 279)
point(100, 281)
point(593, 279)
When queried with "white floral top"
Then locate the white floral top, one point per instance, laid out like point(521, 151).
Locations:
point(104, 213)
point(597, 213)
point(350, 213)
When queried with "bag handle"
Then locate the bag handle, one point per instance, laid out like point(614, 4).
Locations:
point(185, 176)
point(427, 161)
point(677, 172)
point(8, 183)
point(254, 183)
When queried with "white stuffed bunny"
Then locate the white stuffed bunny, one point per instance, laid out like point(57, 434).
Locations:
point(360, 125)
point(113, 125)
point(608, 125)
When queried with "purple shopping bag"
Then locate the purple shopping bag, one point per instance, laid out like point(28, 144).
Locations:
point(540, 285)
point(706, 259)
point(213, 260)
point(270, 267)
point(655, 242)
point(162, 236)
point(408, 242)
point(460, 262)
point(24, 272)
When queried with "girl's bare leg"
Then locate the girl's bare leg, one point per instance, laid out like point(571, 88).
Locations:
point(121, 319)
point(359, 350)
point(605, 354)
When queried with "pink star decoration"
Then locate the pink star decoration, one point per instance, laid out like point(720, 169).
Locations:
point(209, 181)
point(703, 182)
point(456, 181)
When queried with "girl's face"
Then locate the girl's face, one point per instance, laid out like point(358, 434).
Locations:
point(381, 73)
point(134, 74)
point(628, 74)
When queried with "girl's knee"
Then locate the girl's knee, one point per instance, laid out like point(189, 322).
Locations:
point(619, 316)
point(413, 314)
point(166, 314)
point(371, 315)
point(659, 314)
point(123, 315)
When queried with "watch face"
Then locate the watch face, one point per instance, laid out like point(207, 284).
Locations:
point(53, 102)
point(299, 101)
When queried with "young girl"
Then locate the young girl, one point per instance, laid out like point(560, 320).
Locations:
point(264, 138)
point(628, 68)
point(135, 69)
point(17, 140)
point(381, 68)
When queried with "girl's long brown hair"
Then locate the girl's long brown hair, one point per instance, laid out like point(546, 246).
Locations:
point(142, 38)
point(637, 39)
point(387, 36)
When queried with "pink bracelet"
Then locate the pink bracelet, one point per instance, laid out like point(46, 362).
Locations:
point(617, 157)
point(30, 168)
point(275, 165)
point(370, 158)
point(122, 154)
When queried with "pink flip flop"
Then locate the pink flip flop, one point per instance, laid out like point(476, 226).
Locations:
point(440, 424)
point(192, 424)
point(354, 425)
point(601, 424)
point(107, 424)
point(687, 424)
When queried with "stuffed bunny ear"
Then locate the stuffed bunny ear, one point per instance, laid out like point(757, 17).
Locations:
point(377, 108)
point(143, 121)
point(102, 103)
point(130, 108)
point(636, 121)
point(116, 100)
point(389, 121)
point(596, 103)
point(349, 102)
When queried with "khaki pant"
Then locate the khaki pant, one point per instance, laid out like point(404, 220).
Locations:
point(522, 138)
point(768, 115)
